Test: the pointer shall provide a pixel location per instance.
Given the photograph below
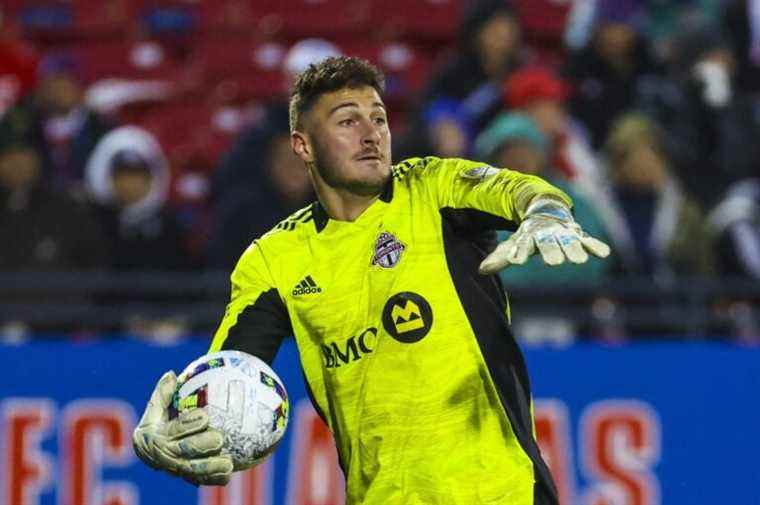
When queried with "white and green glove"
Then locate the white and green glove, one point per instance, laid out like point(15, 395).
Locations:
point(549, 226)
point(184, 446)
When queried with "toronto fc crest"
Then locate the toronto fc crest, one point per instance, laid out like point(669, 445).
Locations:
point(388, 250)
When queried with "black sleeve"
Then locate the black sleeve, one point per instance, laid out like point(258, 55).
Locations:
point(260, 327)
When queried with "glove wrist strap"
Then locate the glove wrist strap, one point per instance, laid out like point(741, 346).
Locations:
point(551, 208)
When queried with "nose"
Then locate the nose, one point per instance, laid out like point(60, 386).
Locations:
point(370, 134)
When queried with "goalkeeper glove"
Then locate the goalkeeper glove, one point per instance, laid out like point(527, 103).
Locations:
point(549, 226)
point(184, 446)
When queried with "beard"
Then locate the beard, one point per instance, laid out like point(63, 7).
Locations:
point(325, 165)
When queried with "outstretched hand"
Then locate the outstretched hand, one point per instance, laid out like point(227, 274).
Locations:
point(549, 227)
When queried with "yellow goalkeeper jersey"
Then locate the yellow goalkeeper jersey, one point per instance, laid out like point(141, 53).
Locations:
point(405, 348)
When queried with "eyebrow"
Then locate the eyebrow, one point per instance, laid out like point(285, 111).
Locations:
point(353, 104)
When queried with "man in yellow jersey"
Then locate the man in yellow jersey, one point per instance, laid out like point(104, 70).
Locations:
point(402, 330)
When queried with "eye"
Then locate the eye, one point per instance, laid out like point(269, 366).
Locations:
point(380, 120)
point(346, 122)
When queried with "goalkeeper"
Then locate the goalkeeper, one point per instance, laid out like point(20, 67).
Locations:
point(402, 328)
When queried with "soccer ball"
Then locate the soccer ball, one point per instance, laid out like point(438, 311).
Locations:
point(244, 399)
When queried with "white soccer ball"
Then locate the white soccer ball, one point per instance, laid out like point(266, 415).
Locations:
point(244, 399)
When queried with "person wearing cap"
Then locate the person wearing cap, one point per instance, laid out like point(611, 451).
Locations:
point(515, 141)
point(539, 93)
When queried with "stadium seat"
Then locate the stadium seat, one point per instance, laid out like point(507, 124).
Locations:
point(167, 18)
point(133, 60)
point(239, 69)
point(11, 8)
point(227, 16)
point(194, 137)
point(311, 18)
point(417, 19)
point(71, 19)
point(543, 23)
point(405, 65)
point(182, 127)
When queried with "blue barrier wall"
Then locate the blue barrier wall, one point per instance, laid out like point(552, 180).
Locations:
point(673, 424)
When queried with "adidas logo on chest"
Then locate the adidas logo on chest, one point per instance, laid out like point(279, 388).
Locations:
point(307, 286)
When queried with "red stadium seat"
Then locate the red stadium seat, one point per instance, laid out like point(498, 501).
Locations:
point(134, 60)
point(417, 19)
point(194, 137)
point(239, 69)
point(311, 18)
point(543, 23)
point(168, 17)
point(189, 128)
point(71, 19)
point(11, 8)
point(406, 66)
point(227, 15)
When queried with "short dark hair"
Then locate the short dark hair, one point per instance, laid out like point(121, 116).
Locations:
point(331, 74)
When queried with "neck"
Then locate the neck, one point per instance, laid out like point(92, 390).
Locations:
point(341, 204)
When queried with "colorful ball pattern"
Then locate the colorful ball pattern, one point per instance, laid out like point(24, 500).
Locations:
point(244, 398)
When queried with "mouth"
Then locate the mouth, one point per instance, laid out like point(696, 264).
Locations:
point(369, 157)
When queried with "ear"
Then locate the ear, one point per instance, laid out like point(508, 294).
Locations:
point(299, 141)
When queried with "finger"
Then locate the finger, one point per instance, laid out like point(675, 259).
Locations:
point(196, 468)
point(187, 423)
point(208, 470)
point(595, 246)
point(200, 445)
point(217, 479)
point(499, 258)
point(571, 246)
point(524, 248)
point(142, 443)
point(549, 248)
point(160, 399)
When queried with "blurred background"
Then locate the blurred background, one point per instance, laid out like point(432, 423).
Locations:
point(144, 144)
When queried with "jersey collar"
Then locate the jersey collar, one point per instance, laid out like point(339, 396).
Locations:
point(320, 214)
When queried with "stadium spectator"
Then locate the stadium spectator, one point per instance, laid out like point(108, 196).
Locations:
point(611, 73)
point(736, 223)
point(515, 141)
point(711, 124)
point(41, 229)
point(71, 129)
point(248, 197)
point(278, 185)
point(666, 20)
point(128, 178)
point(741, 19)
point(540, 94)
point(490, 47)
point(235, 170)
point(668, 230)
point(449, 133)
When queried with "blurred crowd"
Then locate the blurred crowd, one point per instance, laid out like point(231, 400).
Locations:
point(645, 111)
